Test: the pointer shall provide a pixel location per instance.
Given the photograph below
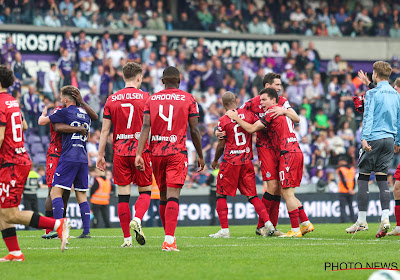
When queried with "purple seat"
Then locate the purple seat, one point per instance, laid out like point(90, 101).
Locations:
point(37, 148)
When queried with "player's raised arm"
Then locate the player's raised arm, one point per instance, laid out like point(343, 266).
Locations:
point(250, 128)
point(218, 152)
point(44, 119)
point(196, 139)
point(78, 97)
point(144, 136)
point(105, 131)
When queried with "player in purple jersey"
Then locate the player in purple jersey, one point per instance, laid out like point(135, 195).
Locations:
point(72, 168)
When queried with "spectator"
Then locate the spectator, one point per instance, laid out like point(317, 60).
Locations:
point(364, 18)
point(68, 43)
point(65, 65)
point(115, 55)
point(333, 29)
point(295, 93)
point(333, 66)
point(346, 134)
point(381, 30)
point(394, 31)
point(92, 149)
point(255, 27)
point(30, 101)
point(49, 84)
point(238, 75)
point(137, 40)
point(321, 120)
point(89, 8)
point(297, 15)
point(80, 21)
point(155, 22)
point(65, 19)
point(106, 42)
point(66, 4)
point(205, 17)
point(18, 67)
point(85, 62)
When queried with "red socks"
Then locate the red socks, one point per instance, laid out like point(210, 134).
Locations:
point(397, 212)
point(274, 210)
point(222, 210)
point(10, 238)
point(163, 205)
point(142, 204)
point(302, 214)
point(260, 209)
point(171, 216)
point(294, 218)
point(267, 205)
point(46, 222)
point(124, 214)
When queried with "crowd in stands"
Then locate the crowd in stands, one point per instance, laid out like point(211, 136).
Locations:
point(304, 17)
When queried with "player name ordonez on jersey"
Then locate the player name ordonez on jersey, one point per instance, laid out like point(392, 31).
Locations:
point(128, 95)
point(172, 96)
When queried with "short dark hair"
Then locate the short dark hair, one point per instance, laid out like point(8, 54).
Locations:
point(6, 76)
point(171, 75)
point(131, 70)
point(271, 93)
point(270, 77)
point(68, 90)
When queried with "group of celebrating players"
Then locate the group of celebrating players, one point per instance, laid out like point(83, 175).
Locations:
point(137, 154)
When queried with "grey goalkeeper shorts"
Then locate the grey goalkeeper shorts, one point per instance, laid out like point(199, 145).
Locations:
point(379, 158)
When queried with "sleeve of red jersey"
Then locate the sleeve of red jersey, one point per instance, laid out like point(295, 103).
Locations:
point(3, 119)
point(285, 103)
point(58, 116)
point(247, 105)
point(107, 112)
point(266, 120)
point(221, 125)
point(193, 109)
point(146, 109)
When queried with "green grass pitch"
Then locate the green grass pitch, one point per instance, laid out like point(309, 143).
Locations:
point(243, 256)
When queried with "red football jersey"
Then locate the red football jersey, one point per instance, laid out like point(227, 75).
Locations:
point(238, 146)
point(55, 139)
point(125, 109)
point(12, 150)
point(170, 110)
point(254, 105)
point(281, 132)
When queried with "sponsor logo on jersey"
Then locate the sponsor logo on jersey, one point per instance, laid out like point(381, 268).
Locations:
point(220, 176)
point(237, 152)
point(128, 95)
point(82, 116)
point(291, 139)
point(172, 96)
point(268, 174)
point(287, 168)
point(137, 135)
point(20, 150)
point(126, 136)
point(172, 138)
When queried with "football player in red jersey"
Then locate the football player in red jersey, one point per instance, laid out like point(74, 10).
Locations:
point(15, 165)
point(236, 170)
point(290, 161)
point(54, 152)
point(167, 113)
point(266, 155)
point(124, 109)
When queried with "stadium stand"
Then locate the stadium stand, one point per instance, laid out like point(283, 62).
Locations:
point(320, 91)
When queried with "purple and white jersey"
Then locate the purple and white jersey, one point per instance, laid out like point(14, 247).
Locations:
point(73, 144)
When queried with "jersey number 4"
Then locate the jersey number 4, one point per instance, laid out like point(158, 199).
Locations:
point(169, 118)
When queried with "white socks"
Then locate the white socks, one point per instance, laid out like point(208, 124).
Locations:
point(385, 214)
point(224, 230)
point(362, 216)
point(169, 239)
point(295, 229)
point(16, 253)
point(306, 223)
point(128, 239)
point(57, 224)
point(138, 220)
point(268, 224)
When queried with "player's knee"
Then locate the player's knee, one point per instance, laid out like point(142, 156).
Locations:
point(396, 190)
